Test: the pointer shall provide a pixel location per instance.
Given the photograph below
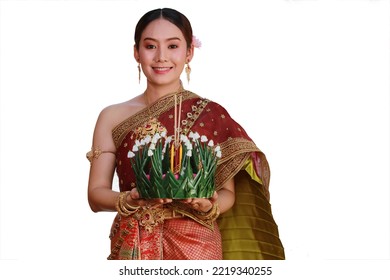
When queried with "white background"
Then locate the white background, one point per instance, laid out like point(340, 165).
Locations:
point(309, 80)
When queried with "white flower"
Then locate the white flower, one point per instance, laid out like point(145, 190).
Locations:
point(152, 146)
point(130, 154)
point(155, 138)
point(188, 145)
point(186, 142)
point(164, 134)
point(183, 138)
point(203, 138)
point(218, 152)
point(135, 148)
point(150, 153)
point(211, 143)
point(138, 143)
point(189, 153)
point(194, 136)
point(147, 139)
point(167, 141)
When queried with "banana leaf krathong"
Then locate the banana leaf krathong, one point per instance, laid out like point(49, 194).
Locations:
point(165, 168)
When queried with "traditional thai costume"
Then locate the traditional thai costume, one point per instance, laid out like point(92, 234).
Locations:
point(174, 231)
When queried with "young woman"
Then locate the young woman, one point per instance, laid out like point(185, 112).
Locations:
point(236, 222)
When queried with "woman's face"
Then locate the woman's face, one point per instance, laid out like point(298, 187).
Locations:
point(163, 53)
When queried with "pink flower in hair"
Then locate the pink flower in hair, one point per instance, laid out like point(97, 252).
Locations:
point(196, 42)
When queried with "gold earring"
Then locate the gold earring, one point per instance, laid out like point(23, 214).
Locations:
point(188, 72)
point(139, 73)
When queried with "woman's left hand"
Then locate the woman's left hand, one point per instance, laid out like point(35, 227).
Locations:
point(201, 204)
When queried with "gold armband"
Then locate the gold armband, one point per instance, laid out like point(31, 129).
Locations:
point(95, 153)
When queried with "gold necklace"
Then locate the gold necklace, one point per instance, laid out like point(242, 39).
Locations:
point(147, 105)
point(177, 119)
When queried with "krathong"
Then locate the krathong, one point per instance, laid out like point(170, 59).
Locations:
point(175, 169)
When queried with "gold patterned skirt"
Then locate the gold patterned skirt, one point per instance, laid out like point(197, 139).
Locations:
point(174, 239)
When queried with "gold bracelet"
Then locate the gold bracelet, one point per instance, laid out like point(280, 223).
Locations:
point(127, 205)
point(118, 205)
point(212, 214)
point(123, 207)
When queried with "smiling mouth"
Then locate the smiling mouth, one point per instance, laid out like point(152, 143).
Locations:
point(161, 68)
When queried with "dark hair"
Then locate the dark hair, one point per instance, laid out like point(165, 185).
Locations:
point(173, 16)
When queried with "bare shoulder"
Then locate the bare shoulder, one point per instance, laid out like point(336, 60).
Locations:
point(116, 113)
point(110, 117)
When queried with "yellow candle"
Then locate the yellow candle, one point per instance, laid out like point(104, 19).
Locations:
point(180, 157)
point(172, 157)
